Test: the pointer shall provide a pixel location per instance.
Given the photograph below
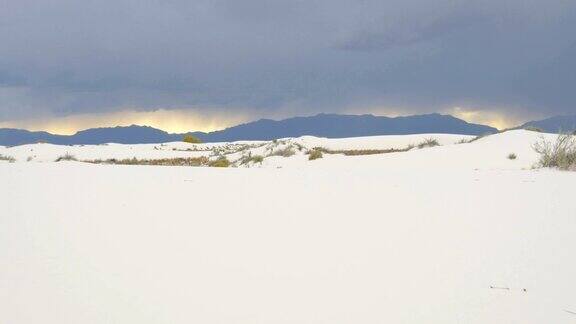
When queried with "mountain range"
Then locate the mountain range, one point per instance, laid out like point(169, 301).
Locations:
point(322, 125)
point(555, 124)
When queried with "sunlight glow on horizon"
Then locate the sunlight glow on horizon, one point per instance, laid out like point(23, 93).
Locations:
point(171, 121)
point(189, 120)
point(490, 118)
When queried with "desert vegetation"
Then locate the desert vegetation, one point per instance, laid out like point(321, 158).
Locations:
point(286, 151)
point(359, 152)
point(314, 154)
point(429, 142)
point(512, 156)
point(66, 157)
point(189, 138)
point(7, 158)
point(533, 129)
point(251, 159)
point(560, 154)
point(474, 139)
point(194, 161)
point(179, 161)
point(221, 162)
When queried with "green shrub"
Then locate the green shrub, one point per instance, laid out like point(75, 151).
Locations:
point(512, 156)
point(257, 159)
point(221, 162)
point(314, 154)
point(189, 138)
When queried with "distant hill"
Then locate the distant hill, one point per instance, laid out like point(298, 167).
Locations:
point(337, 126)
point(123, 135)
point(554, 124)
point(322, 125)
point(11, 137)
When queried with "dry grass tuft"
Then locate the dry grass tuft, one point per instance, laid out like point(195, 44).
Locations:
point(465, 141)
point(7, 158)
point(560, 154)
point(66, 157)
point(429, 142)
point(287, 151)
point(251, 158)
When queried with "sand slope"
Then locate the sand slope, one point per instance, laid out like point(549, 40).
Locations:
point(413, 237)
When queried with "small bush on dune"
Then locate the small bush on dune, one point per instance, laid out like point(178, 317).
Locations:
point(189, 138)
point(221, 162)
point(314, 154)
point(257, 159)
point(429, 142)
point(299, 146)
point(560, 154)
point(288, 151)
point(251, 158)
point(7, 158)
point(512, 156)
point(66, 157)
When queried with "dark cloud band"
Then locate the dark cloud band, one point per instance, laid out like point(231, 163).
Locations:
point(65, 57)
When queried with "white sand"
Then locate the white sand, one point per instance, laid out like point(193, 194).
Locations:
point(413, 237)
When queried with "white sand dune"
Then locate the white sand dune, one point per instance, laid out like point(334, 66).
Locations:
point(411, 237)
point(50, 152)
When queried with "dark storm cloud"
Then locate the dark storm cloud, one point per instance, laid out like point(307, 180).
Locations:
point(65, 57)
point(406, 32)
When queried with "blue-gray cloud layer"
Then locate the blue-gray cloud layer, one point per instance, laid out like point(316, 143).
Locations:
point(67, 56)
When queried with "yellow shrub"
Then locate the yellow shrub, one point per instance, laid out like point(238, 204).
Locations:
point(189, 138)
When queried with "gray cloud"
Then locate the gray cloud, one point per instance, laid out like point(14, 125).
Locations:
point(64, 57)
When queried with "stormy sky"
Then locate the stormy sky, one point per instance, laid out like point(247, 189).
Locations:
point(218, 62)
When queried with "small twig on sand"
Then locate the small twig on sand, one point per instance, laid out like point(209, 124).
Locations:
point(503, 288)
point(571, 312)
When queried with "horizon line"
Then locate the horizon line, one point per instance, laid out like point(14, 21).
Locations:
point(136, 124)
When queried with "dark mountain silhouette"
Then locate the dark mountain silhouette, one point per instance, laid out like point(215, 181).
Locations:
point(323, 125)
point(335, 126)
point(11, 137)
point(123, 135)
point(555, 124)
